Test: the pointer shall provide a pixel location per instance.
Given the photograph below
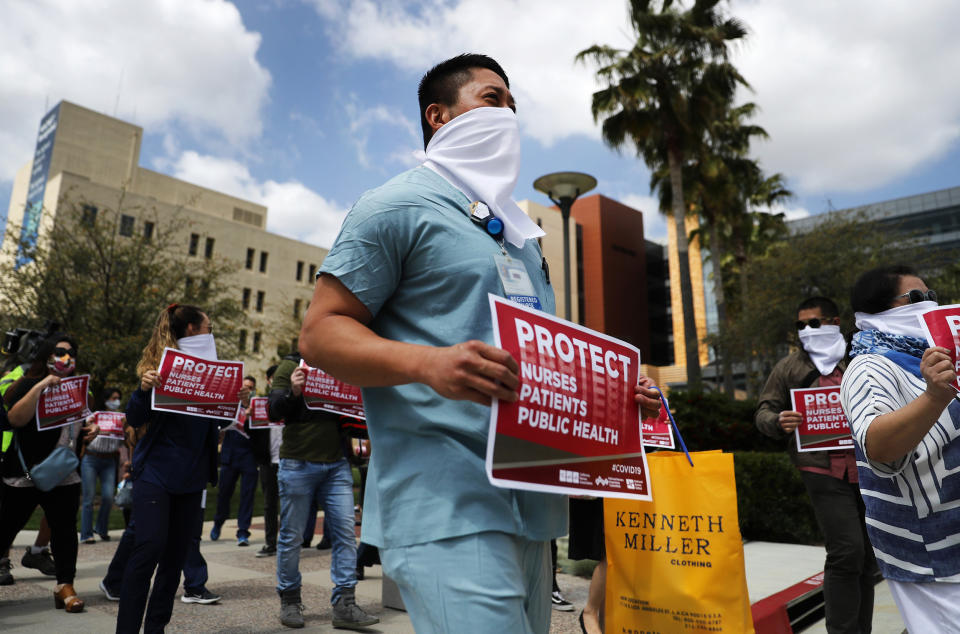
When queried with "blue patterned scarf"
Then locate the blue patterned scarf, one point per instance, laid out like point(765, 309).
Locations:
point(878, 342)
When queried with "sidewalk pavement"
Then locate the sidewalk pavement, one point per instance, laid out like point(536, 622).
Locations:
point(250, 602)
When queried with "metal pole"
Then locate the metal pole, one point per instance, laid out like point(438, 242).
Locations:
point(565, 204)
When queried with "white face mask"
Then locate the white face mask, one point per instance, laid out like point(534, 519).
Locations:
point(478, 152)
point(902, 320)
point(113, 405)
point(202, 346)
point(825, 345)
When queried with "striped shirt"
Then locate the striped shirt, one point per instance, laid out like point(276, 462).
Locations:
point(912, 504)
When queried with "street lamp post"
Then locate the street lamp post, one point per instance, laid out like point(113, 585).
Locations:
point(562, 188)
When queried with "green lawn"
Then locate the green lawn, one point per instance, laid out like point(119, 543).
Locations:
point(116, 516)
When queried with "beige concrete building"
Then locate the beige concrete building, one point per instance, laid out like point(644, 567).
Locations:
point(86, 156)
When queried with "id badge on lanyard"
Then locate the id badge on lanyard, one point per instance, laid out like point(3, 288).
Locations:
point(516, 281)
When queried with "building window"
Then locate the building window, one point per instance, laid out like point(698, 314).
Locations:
point(256, 342)
point(242, 343)
point(148, 231)
point(313, 274)
point(263, 261)
point(126, 225)
point(246, 298)
point(250, 253)
point(194, 243)
point(299, 271)
point(260, 295)
point(297, 305)
point(188, 286)
point(293, 345)
point(89, 215)
point(208, 249)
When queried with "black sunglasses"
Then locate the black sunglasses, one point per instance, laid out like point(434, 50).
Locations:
point(59, 352)
point(916, 295)
point(813, 323)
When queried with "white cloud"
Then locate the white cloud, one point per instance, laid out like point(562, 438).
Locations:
point(374, 122)
point(294, 210)
point(854, 94)
point(158, 63)
point(654, 222)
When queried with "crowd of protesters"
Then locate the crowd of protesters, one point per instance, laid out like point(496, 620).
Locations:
point(429, 376)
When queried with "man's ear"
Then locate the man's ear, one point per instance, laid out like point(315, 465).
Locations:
point(436, 115)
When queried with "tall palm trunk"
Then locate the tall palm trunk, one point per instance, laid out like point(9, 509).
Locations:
point(691, 341)
point(716, 251)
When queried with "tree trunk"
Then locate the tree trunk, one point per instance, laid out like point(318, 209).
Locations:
point(716, 252)
point(691, 341)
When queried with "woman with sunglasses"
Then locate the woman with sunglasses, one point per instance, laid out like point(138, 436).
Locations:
point(899, 397)
point(172, 465)
point(55, 359)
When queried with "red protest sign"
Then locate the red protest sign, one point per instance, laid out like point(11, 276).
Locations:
point(576, 427)
point(326, 393)
point(657, 431)
point(198, 387)
point(259, 419)
point(942, 326)
point(824, 425)
point(110, 423)
point(63, 404)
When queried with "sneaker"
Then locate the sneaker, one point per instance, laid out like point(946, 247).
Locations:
point(267, 551)
point(204, 597)
point(214, 533)
point(324, 544)
point(89, 540)
point(347, 614)
point(42, 561)
point(291, 610)
point(243, 541)
point(104, 537)
point(111, 596)
point(559, 603)
point(6, 578)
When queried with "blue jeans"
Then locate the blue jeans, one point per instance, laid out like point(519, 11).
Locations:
point(106, 469)
point(248, 487)
point(330, 484)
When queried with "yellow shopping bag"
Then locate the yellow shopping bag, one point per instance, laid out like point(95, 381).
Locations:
point(675, 565)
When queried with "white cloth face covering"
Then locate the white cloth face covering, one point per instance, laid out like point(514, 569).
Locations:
point(902, 320)
point(478, 152)
point(202, 346)
point(825, 345)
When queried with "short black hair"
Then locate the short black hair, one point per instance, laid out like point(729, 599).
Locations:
point(271, 371)
point(250, 377)
point(828, 307)
point(442, 83)
point(875, 290)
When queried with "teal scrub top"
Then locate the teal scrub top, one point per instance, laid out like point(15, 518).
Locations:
point(410, 253)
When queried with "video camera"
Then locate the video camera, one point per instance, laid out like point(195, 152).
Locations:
point(20, 344)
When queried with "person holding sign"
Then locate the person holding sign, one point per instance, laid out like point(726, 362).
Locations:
point(100, 461)
point(172, 465)
point(401, 309)
point(830, 477)
point(54, 363)
point(899, 394)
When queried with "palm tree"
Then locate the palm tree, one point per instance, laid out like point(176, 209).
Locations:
point(661, 95)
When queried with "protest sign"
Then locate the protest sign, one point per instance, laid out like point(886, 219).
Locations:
point(326, 393)
point(576, 428)
point(110, 423)
point(824, 425)
point(198, 387)
point(942, 326)
point(63, 404)
point(657, 431)
point(258, 414)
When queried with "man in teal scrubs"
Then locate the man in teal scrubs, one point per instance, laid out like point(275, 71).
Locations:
point(400, 308)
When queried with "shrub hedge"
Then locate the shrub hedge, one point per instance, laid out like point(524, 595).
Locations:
point(772, 502)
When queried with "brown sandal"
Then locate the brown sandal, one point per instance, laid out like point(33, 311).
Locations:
point(65, 598)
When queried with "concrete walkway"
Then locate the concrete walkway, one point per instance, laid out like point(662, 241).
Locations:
point(250, 602)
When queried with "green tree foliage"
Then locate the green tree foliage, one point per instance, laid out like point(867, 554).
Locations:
point(106, 289)
point(661, 96)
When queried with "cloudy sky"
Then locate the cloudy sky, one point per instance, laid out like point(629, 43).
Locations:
point(304, 104)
